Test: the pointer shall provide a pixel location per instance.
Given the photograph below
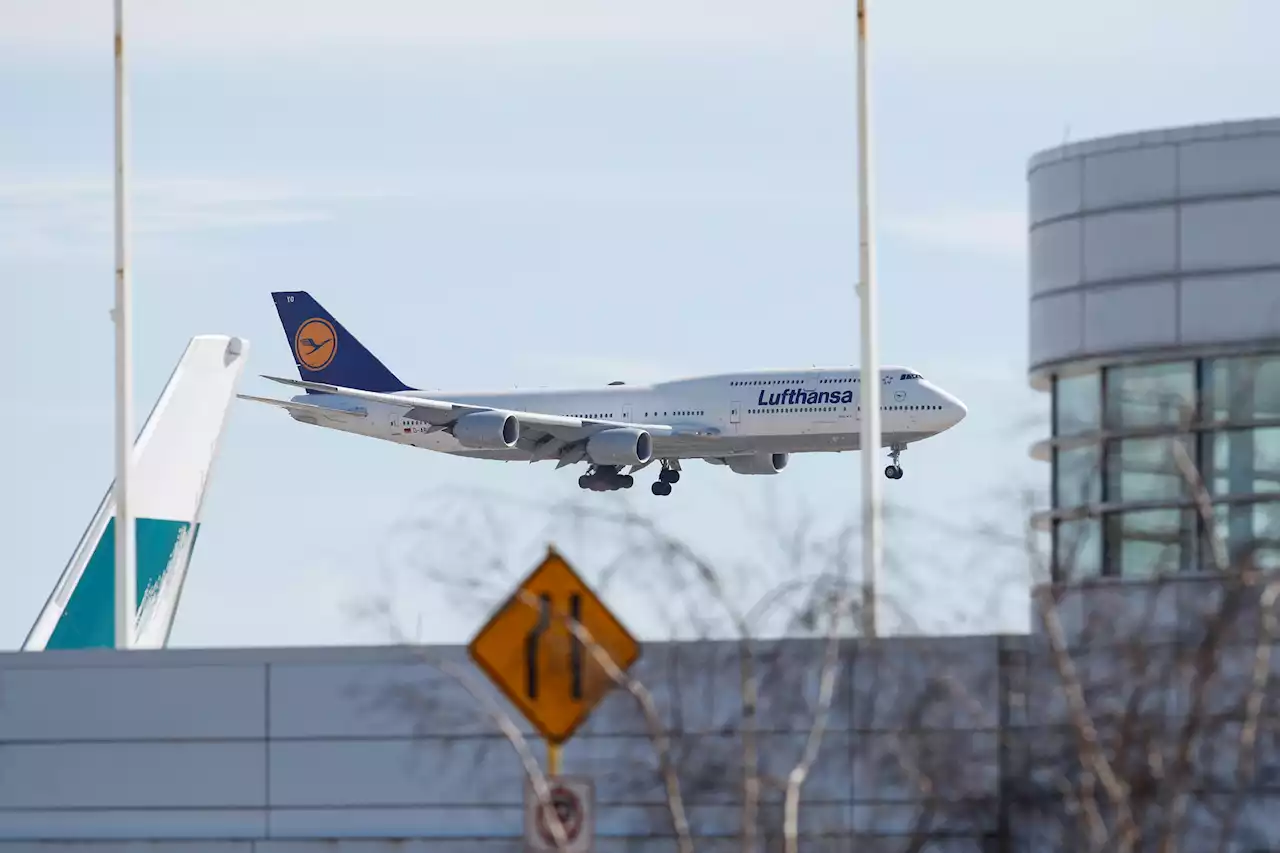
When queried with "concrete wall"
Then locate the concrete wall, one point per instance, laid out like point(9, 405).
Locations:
point(1153, 240)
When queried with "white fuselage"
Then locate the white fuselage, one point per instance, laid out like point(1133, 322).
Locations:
point(760, 411)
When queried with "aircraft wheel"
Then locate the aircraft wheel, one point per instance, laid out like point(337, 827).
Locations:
point(667, 475)
point(661, 488)
point(584, 482)
point(893, 472)
point(627, 481)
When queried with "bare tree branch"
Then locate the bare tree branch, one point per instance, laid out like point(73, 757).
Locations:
point(509, 730)
point(813, 743)
point(1097, 765)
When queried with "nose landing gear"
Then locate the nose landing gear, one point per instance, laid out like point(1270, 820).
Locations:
point(894, 471)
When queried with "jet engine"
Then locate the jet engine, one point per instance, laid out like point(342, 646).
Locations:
point(620, 446)
point(757, 463)
point(487, 431)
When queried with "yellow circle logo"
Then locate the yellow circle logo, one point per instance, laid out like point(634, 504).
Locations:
point(315, 344)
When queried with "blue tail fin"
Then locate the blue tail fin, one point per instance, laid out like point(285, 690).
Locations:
point(324, 351)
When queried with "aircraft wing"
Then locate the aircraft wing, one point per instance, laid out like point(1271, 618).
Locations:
point(544, 436)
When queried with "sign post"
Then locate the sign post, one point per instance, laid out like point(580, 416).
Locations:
point(530, 654)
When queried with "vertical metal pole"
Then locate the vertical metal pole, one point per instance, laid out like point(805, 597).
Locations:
point(869, 373)
point(553, 759)
point(125, 574)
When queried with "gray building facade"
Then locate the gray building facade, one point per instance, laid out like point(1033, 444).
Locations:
point(300, 749)
point(964, 744)
point(1154, 264)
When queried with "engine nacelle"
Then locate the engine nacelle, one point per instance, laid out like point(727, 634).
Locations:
point(758, 463)
point(487, 431)
point(620, 446)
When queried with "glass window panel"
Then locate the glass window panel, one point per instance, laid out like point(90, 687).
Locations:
point(1077, 404)
point(1250, 534)
point(1077, 479)
point(1245, 388)
point(1244, 461)
point(1146, 469)
point(1149, 542)
point(1077, 549)
point(1150, 394)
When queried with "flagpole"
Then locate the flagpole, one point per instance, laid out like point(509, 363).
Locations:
point(869, 373)
point(125, 566)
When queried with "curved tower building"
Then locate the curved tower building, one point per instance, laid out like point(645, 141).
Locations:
point(1154, 266)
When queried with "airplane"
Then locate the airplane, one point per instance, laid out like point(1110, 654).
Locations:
point(750, 422)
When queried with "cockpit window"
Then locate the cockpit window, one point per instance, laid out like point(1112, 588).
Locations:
point(911, 376)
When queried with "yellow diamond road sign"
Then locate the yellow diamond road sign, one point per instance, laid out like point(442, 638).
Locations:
point(529, 653)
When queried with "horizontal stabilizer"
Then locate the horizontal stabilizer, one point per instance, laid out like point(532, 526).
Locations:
point(305, 408)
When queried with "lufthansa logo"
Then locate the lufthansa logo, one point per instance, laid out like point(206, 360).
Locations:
point(315, 344)
point(899, 395)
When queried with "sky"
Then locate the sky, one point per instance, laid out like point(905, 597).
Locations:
point(498, 194)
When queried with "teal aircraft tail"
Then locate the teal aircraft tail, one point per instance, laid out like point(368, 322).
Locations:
point(173, 457)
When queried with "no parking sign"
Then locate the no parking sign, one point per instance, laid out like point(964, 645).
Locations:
point(572, 800)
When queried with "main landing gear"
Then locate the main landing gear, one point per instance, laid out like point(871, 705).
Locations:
point(605, 478)
point(894, 471)
point(609, 478)
point(667, 477)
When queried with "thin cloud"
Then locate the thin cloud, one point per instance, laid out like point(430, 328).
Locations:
point(287, 25)
point(597, 370)
point(54, 217)
point(1162, 32)
point(999, 233)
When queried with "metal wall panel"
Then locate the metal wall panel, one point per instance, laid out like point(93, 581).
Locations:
point(442, 824)
point(1056, 259)
point(1226, 166)
point(1231, 234)
point(1057, 327)
point(400, 772)
point(313, 700)
point(698, 688)
point(1215, 308)
point(1138, 314)
point(898, 682)
point(1188, 205)
point(134, 702)
point(134, 774)
point(1130, 244)
point(128, 847)
point(1056, 191)
point(134, 825)
point(1129, 177)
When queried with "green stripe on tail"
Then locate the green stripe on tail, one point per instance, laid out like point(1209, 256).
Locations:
point(88, 622)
